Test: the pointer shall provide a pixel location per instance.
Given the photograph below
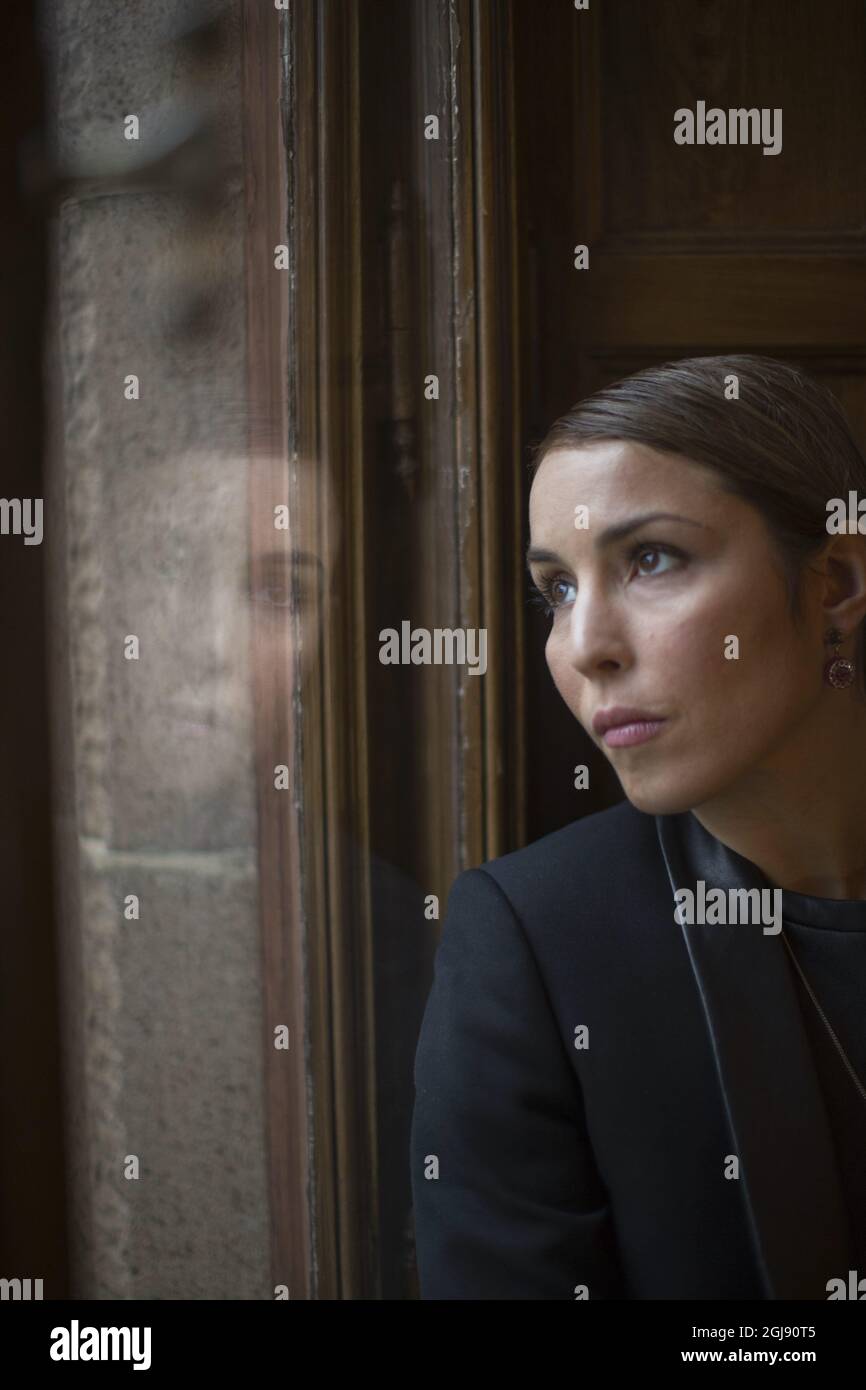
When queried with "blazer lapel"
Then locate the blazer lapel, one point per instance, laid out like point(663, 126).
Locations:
point(788, 1171)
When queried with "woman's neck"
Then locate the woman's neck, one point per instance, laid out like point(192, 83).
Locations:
point(800, 815)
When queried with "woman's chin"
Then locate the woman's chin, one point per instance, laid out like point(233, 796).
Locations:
point(664, 798)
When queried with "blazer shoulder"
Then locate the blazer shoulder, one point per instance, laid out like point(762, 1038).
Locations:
point(580, 860)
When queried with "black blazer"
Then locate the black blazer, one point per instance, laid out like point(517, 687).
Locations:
point(605, 1167)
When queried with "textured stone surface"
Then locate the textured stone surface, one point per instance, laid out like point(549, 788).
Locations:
point(176, 1048)
point(156, 790)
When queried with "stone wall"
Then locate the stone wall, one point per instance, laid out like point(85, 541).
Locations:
point(146, 524)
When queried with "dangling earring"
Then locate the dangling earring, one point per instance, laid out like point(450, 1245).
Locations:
point(839, 671)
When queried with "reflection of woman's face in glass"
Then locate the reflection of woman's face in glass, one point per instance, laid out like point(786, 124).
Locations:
point(644, 619)
point(184, 712)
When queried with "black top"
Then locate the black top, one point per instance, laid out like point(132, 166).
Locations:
point(828, 939)
point(543, 1169)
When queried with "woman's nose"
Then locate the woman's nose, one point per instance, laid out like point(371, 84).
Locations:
point(594, 636)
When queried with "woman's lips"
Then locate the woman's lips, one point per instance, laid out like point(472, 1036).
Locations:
point(626, 735)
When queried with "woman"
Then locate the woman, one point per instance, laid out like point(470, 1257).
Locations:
point(625, 1087)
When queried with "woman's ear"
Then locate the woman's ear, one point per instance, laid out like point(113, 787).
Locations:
point(844, 603)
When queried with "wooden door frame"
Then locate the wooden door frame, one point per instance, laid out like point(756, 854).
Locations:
point(303, 121)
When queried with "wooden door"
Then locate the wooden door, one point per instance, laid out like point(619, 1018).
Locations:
point(692, 248)
point(414, 255)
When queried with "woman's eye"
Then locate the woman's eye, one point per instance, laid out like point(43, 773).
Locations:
point(655, 551)
point(548, 593)
point(279, 595)
point(556, 591)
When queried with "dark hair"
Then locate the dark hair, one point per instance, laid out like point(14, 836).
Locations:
point(783, 444)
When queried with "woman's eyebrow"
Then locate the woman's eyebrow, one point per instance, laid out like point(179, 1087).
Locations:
point(622, 528)
point(537, 555)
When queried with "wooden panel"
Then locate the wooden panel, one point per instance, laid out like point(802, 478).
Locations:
point(806, 59)
point(719, 301)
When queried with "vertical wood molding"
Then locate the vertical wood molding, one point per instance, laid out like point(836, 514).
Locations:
point(344, 993)
point(474, 245)
point(311, 683)
point(272, 656)
point(35, 1206)
point(500, 462)
point(440, 249)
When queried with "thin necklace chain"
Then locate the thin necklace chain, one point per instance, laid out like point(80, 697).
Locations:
point(839, 1048)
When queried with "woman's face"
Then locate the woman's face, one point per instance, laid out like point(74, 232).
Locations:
point(644, 619)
